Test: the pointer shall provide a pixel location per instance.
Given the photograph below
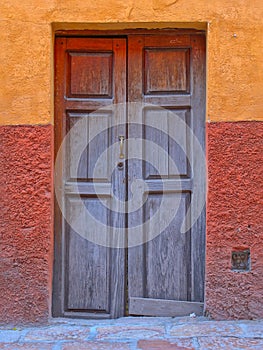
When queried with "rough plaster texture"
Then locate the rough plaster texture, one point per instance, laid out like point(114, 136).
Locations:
point(26, 230)
point(234, 219)
point(234, 41)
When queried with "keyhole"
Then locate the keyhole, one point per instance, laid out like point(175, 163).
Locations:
point(120, 165)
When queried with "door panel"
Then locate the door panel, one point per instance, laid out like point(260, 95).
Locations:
point(168, 71)
point(163, 131)
point(88, 274)
point(167, 256)
point(165, 75)
point(90, 75)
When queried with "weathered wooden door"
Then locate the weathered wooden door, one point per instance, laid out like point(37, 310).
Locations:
point(140, 266)
point(166, 273)
point(90, 75)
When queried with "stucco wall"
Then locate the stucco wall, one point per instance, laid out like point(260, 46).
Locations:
point(26, 217)
point(235, 77)
point(234, 219)
point(234, 108)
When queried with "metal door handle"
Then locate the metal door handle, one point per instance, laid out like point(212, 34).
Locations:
point(121, 138)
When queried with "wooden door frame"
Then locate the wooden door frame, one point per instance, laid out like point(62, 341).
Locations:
point(58, 136)
point(125, 32)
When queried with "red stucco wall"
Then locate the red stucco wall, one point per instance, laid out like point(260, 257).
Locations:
point(27, 234)
point(234, 219)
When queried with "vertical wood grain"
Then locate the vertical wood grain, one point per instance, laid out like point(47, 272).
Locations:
point(90, 73)
point(89, 278)
point(171, 266)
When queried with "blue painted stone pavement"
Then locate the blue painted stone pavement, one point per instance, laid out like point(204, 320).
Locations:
point(145, 333)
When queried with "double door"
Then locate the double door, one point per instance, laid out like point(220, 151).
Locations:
point(129, 175)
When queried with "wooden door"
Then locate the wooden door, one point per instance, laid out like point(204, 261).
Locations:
point(90, 78)
point(166, 273)
point(162, 270)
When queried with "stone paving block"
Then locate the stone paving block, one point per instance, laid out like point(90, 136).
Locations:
point(35, 346)
point(178, 344)
point(208, 328)
point(187, 319)
point(230, 343)
point(58, 333)
point(9, 336)
point(130, 332)
point(95, 346)
point(142, 320)
point(252, 329)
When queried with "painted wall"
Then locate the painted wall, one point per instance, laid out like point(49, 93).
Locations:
point(234, 219)
point(26, 238)
point(234, 94)
point(235, 75)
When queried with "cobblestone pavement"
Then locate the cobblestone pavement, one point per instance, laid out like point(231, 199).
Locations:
point(143, 333)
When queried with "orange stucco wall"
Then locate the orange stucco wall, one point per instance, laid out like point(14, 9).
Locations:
point(234, 45)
